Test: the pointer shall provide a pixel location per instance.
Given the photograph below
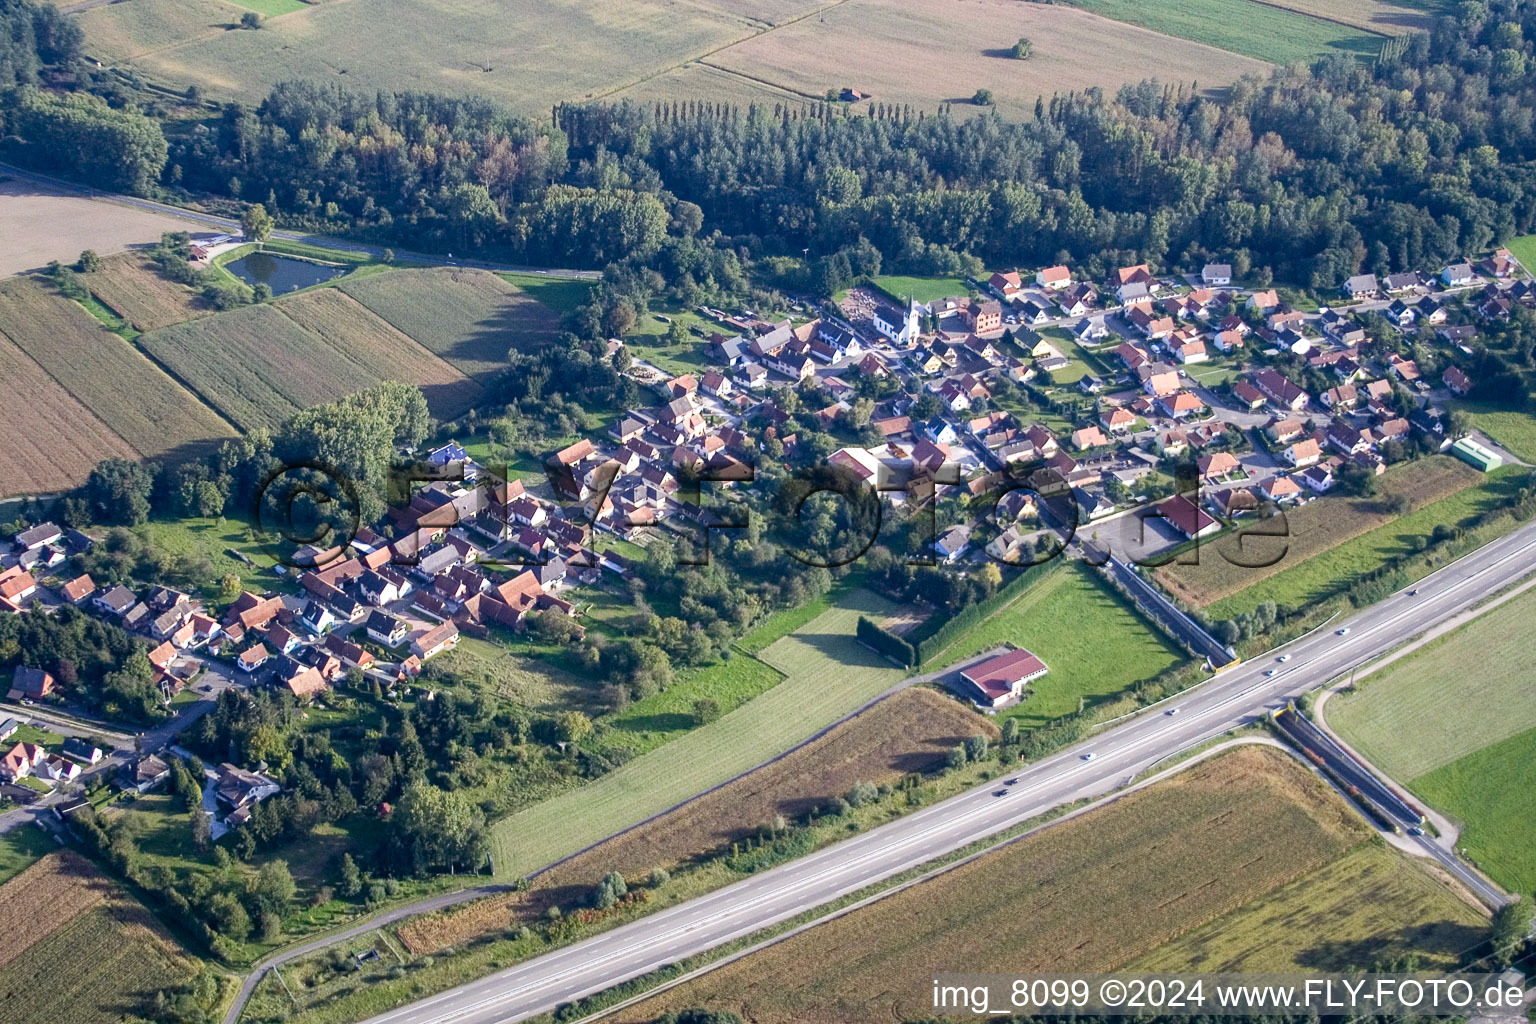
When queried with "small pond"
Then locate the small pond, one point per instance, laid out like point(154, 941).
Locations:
point(280, 273)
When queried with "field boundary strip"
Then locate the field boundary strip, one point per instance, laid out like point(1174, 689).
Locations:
point(1332, 21)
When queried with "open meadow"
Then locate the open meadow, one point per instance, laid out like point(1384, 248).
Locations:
point(135, 290)
point(910, 731)
point(1455, 723)
point(926, 52)
point(1091, 893)
point(255, 365)
point(1310, 532)
point(827, 675)
point(471, 318)
point(82, 950)
point(52, 441)
point(130, 394)
point(125, 31)
point(364, 338)
point(1095, 644)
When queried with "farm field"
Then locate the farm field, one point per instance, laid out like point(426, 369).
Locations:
point(1093, 642)
point(40, 223)
point(364, 338)
point(1513, 429)
point(20, 848)
point(926, 52)
point(122, 32)
point(130, 394)
point(471, 318)
point(1453, 697)
point(52, 441)
point(1088, 894)
point(691, 81)
point(1371, 15)
point(828, 674)
point(1313, 529)
point(1257, 30)
point(132, 288)
point(1366, 907)
point(911, 731)
point(255, 365)
point(86, 952)
point(563, 50)
point(1464, 705)
point(1489, 792)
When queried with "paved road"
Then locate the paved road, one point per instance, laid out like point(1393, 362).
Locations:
point(228, 224)
point(1232, 698)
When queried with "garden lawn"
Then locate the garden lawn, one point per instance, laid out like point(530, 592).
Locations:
point(1524, 250)
point(827, 675)
point(1093, 642)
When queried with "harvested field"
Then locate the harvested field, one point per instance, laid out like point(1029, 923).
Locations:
point(1313, 529)
point(693, 80)
point(47, 896)
point(52, 441)
point(563, 50)
point(911, 731)
point(1371, 15)
point(1370, 906)
point(471, 318)
point(255, 365)
point(39, 223)
point(127, 392)
point(1089, 894)
point(85, 952)
point(359, 334)
point(925, 52)
point(134, 289)
point(129, 29)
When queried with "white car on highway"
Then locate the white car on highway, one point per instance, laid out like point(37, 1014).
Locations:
point(1344, 631)
point(1089, 756)
point(1284, 657)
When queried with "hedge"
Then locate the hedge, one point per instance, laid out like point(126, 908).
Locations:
point(885, 642)
point(931, 645)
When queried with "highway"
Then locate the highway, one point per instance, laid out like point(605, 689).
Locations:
point(1093, 768)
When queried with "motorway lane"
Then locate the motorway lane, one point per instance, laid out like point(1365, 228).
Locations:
point(1230, 699)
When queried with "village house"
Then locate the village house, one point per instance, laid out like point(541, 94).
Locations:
point(997, 681)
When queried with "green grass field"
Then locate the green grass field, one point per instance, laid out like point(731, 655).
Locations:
point(1524, 250)
point(1093, 642)
point(1455, 723)
point(271, 8)
point(21, 847)
point(1329, 572)
point(561, 294)
point(1512, 429)
point(827, 674)
point(198, 538)
point(1242, 26)
point(1453, 697)
point(924, 289)
point(1490, 793)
